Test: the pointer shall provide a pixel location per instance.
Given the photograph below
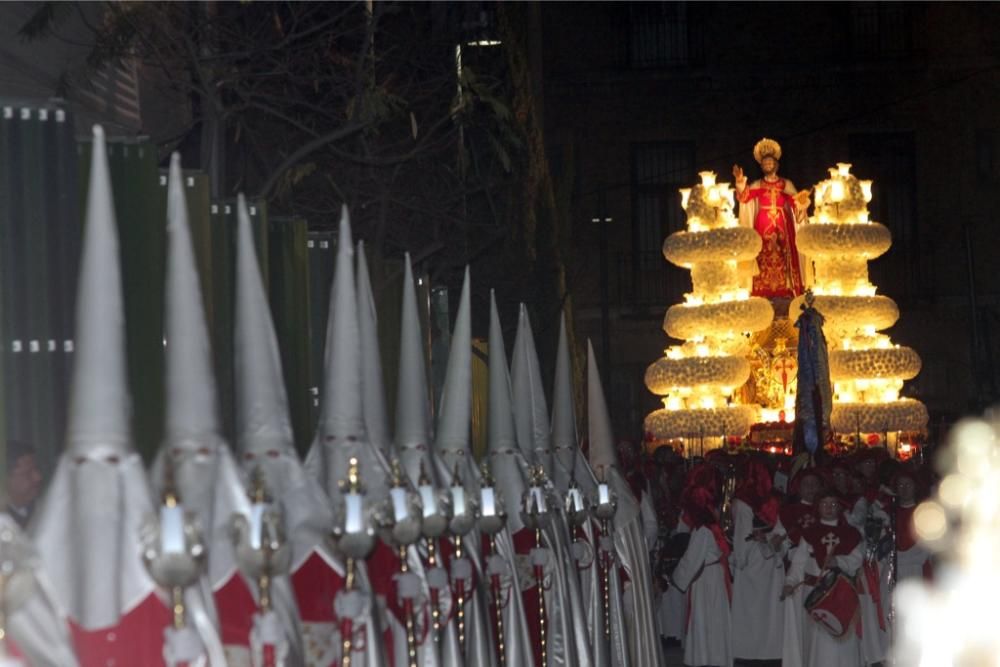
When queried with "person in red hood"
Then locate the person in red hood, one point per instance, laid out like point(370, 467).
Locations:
point(703, 573)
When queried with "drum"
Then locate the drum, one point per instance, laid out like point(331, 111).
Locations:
point(833, 603)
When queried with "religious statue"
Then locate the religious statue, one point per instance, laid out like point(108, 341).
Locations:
point(773, 207)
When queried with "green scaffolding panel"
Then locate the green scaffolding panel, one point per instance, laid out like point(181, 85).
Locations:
point(39, 241)
point(289, 295)
point(322, 251)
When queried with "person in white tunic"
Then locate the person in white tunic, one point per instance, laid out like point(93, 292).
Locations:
point(793, 518)
point(703, 573)
point(832, 543)
point(758, 570)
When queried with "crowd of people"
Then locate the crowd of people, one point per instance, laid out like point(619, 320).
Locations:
point(771, 558)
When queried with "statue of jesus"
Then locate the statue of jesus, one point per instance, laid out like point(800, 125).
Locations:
point(773, 207)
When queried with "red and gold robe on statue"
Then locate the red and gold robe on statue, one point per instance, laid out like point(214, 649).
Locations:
point(770, 207)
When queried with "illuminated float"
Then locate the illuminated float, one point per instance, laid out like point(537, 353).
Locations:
point(866, 368)
point(697, 379)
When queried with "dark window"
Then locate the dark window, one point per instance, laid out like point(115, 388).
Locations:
point(663, 34)
point(881, 30)
point(659, 170)
point(887, 158)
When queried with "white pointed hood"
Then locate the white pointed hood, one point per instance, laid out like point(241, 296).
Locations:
point(637, 620)
point(531, 414)
point(507, 462)
point(565, 441)
point(192, 413)
point(603, 455)
point(412, 402)
point(99, 401)
point(205, 472)
point(86, 527)
point(262, 422)
point(263, 427)
point(601, 439)
point(373, 387)
point(341, 433)
point(455, 414)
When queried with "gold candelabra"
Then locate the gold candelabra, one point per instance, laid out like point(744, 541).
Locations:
point(356, 549)
point(497, 608)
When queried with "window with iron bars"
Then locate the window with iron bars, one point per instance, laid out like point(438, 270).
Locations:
point(663, 34)
point(659, 170)
point(880, 30)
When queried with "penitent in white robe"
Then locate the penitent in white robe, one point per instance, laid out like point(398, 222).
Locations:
point(758, 576)
point(673, 604)
point(822, 648)
point(700, 573)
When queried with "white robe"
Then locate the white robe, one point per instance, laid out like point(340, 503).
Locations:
point(822, 648)
point(758, 576)
point(796, 628)
point(673, 604)
point(700, 573)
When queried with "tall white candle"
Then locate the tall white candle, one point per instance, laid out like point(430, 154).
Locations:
point(257, 524)
point(603, 494)
point(539, 497)
point(171, 529)
point(352, 513)
point(488, 501)
point(428, 499)
point(399, 508)
point(458, 500)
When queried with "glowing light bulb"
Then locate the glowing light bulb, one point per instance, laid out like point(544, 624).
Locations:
point(836, 191)
point(818, 193)
point(675, 353)
point(866, 189)
point(707, 178)
point(729, 194)
point(844, 169)
point(702, 350)
point(714, 198)
point(863, 218)
point(672, 403)
point(685, 196)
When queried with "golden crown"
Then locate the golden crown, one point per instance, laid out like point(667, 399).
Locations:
point(766, 148)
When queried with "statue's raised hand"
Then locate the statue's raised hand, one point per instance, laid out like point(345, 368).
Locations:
point(739, 177)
